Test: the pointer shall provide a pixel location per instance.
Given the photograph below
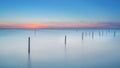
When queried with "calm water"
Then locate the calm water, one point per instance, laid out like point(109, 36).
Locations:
point(84, 48)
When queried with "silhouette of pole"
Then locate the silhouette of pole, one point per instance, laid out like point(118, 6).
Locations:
point(114, 33)
point(92, 34)
point(65, 39)
point(82, 35)
point(28, 44)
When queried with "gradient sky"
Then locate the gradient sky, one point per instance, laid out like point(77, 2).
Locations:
point(59, 13)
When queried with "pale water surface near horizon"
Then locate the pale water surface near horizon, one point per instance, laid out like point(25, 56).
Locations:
point(84, 48)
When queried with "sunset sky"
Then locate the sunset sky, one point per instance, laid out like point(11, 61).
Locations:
point(59, 13)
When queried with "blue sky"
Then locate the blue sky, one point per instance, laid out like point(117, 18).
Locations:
point(59, 11)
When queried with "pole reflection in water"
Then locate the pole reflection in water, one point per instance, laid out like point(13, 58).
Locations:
point(29, 61)
point(65, 51)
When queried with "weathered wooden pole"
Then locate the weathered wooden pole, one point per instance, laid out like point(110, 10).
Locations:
point(65, 39)
point(28, 44)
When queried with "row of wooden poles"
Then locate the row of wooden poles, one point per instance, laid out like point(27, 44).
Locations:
point(65, 39)
point(29, 60)
point(29, 43)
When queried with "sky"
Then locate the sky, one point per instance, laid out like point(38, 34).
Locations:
point(59, 13)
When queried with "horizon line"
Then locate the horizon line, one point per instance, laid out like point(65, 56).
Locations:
point(80, 25)
point(62, 28)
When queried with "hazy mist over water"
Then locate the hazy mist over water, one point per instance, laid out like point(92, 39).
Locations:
point(82, 48)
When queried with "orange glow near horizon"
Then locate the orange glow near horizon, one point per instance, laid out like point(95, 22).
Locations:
point(34, 25)
point(31, 26)
point(46, 25)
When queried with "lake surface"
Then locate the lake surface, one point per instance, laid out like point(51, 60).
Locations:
point(82, 48)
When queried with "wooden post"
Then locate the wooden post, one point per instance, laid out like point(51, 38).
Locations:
point(28, 44)
point(114, 33)
point(82, 35)
point(65, 39)
point(92, 35)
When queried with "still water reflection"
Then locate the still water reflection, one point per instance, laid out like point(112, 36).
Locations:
point(29, 61)
point(60, 48)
